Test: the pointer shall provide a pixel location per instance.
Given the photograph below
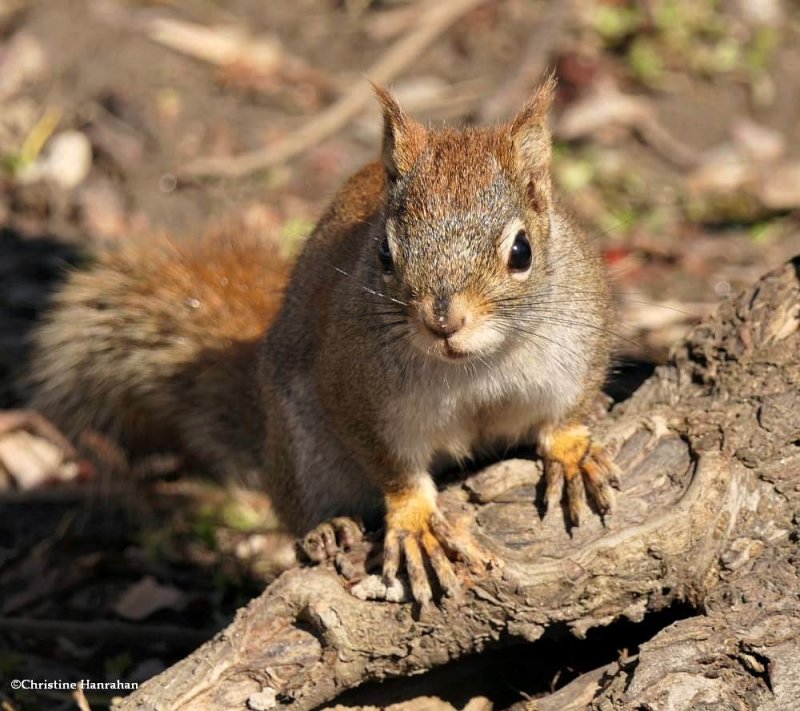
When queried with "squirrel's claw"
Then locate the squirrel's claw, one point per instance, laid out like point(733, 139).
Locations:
point(415, 567)
point(407, 547)
point(331, 537)
point(440, 563)
point(579, 468)
point(600, 474)
point(432, 544)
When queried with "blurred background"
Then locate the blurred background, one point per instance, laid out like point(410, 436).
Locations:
point(677, 145)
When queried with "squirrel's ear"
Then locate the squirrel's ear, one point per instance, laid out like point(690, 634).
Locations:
point(403, 138)
point(530, 135)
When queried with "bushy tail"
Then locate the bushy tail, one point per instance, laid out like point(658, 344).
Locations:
point(156, 341)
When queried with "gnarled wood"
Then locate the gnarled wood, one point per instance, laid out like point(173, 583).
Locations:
point(710, 450)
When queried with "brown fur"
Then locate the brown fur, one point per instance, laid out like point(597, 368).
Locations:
point(346, 404)
point(155, 345)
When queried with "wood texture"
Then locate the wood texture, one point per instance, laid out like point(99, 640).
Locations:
point(708, 513)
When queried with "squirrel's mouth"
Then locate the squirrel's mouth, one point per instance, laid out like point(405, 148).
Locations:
point(472, 341)
point(452, 353)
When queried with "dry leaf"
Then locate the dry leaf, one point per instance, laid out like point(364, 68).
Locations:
point(22, 62)
point(66, 161)
point(32, 461)
point(780, 189)
point(146, 597)
point(723, 169)
point(605, 107)
point(759, 143)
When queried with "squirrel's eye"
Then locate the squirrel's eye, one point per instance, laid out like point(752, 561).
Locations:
point(385, 255)
point(520, 258)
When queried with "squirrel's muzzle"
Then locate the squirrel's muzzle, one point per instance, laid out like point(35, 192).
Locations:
point(443, 316)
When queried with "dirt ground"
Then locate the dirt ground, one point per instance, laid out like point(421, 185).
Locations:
point(677, 145)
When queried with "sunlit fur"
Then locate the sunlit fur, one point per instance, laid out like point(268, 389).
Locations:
point(367, 388)
point(472, 304)
point(350, 397)
point(154, 345)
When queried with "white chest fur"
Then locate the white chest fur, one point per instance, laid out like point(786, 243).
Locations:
point(455, 409)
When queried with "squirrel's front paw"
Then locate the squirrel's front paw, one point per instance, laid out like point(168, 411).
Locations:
point(574, 463)
point(331, 537)
point(415, 531)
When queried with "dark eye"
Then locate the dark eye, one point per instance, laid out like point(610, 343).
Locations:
point(385, 255)
point(520, 258)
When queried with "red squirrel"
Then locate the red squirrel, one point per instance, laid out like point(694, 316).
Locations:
point(443, 305)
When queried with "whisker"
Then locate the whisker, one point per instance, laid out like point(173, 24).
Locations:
point(515, 328)
point(367, 289)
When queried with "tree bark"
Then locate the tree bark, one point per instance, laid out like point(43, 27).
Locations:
point(708, 513)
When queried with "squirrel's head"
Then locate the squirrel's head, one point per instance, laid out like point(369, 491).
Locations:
point(462, 246)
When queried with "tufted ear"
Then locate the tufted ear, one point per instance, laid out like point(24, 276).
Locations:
point(530, 135)
point(403, 138)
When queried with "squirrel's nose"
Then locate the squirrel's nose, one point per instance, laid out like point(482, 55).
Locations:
point(443, 316)
point(445, 326)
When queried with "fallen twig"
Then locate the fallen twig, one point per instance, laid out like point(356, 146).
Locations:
point(606, 106)
point(666, 144)
point(437, 18)
point(216, 45)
